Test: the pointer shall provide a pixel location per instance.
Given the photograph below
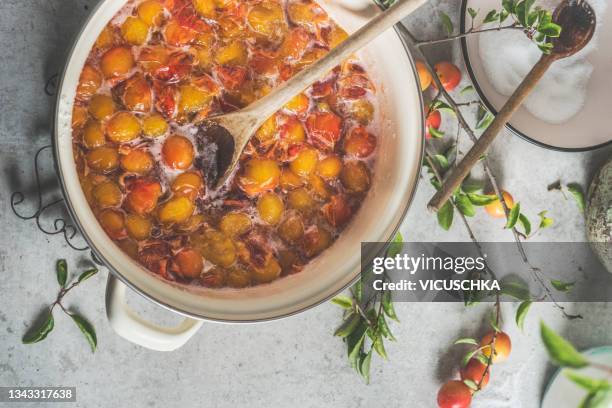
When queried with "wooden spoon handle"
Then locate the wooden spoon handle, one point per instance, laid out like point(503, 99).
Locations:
point(266, 106)
point(460, 172)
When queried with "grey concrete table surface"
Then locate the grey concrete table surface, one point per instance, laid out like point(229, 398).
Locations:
point(292, 362)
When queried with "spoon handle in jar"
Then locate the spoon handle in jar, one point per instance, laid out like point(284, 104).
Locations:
point(459, 173)
point(272, 102)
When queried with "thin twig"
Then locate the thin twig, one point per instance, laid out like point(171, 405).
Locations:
point(421, 43)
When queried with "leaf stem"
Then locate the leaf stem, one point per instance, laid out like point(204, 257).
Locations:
point(420, 43)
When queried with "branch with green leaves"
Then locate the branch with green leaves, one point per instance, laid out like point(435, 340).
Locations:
point(365, 328)
point(40, 331)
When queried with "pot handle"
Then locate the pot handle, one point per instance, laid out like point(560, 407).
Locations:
point(127, 324)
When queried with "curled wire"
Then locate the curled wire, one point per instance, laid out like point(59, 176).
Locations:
point(60, 225)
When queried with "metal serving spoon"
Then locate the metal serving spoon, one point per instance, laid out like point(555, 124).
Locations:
point(231, 132)
point(577, 19)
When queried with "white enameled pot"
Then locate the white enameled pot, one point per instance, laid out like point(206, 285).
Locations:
point(395, 178)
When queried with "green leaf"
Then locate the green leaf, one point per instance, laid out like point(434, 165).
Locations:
point(447, 23)
point(550, 30)
point(601, 398)
point(466, 89)
point(545, 222)
point(561, 352)
point(354, 343)
point(364, 366)
point(503, 16)
point(484, 360)
point(468, 356)
point(485, 121)
point(493, 322)
point(513, 216)
point(441, 161)
point(435, 132)
point(384, 328)
point(473, 13)
point(522, 10)
point(61, 270)
point(343, 301)
point(525, 223)
point(87, 330)
point(348, 326)
point(481, 200)
point(471, 384)
point(467, 340)
point(578, 194)
point(379, 346)
point(441, 106)
point(39, 333)
point(562, 286)
point(472, 186)
point(491, 17)
point(395, 246)
point(517, 290)
point(508, 5)
point(546, 48)
point(521, 313)
point(588, 383)
point(445, 215)
point(87, 274)
point(387, 304)
point(357, 290)
point(464, 205)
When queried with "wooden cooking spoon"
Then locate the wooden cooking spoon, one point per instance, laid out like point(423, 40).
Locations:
point(577, 19)
point(231, 132)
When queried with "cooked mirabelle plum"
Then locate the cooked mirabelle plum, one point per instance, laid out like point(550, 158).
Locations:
point(143, 196)
point(188, 184)
point(234, 53)
point(89, 82)
point(105, 39)
point(289, 180)
point(93, 135)
point(188, 263)
point(137, 161)
point(123, 127)
point(178, 152)
point(270, 208)
point(355, 177)
point(205, 8)
point(363, 111)
point(305, 13)
point(113, 223)
point(318, 187)
point(329, 168)
point(137, 94)
point(117, 62)
point(268, 272)
point(214, 278)
point(238, 278)
point(295, 44)
point(177, 34)
point(337, 36)
point(107, 194)
point(101, 106)
point(259, 175)
point(151, 12)
point(337, 211)
point(139, 228)
point(316, 240)
point(154, 125)
point(134, 31)
point(267, 18)
point(266, 132)
point(292, 131)
point(291, 229)
point(216, 248)
point(324, 129)
point(103, 159)
point(305, 162)
point(300, 199)
point(230, 27)
point(79, 116)
point(177, 210)
point(192, 99)
point(359, 143)
point(299, 104)
point(235, 223)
